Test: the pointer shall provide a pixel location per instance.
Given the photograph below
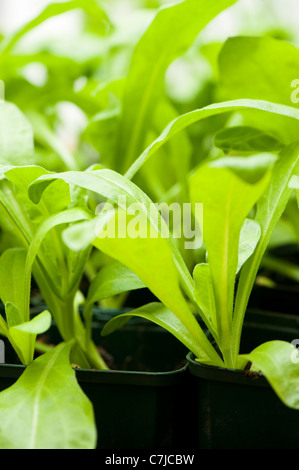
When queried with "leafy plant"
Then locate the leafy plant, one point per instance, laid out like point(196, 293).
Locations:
point(241, 202)
point(49, 192)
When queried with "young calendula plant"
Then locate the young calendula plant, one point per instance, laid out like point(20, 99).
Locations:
point(243, 201)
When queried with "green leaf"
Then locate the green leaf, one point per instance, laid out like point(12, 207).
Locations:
point(23, 335)
point(116, 188)
point(16, 136)
point(13, 315)
point(246, 139)
point(111, 280)
point(44, 415)
point(65, 217)
point(38, 325)
point(247, 67)
point(12, 285)
point(151, 259)
point(260, 108)
point(249, 238)
point(152, 55)
point(204, 293)
point(278, 362)
point(162, 316)
point(269, 211)
point(251, 168)
point(227, 201)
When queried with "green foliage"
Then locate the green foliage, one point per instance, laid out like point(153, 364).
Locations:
point(233, 147)
point(70, 422)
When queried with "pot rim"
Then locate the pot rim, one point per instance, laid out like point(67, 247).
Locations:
point(221, 374)
point(116, 377)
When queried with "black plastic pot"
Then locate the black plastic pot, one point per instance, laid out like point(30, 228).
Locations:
point(137, 407)
point(237, 409)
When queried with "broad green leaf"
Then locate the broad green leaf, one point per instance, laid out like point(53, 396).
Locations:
point(269, 211)
point(248, 70)
point(246, 139)
point(278, 362)
point(44, 417)
point(162, 316)
point(37, 325)
point(111, 280)
point(16, 136)
point(259, 107)
point(23, 335)
point(249, 238)
point(227, 201)
point(151, 57)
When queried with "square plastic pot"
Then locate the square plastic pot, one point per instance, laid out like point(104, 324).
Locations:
point(239, 410)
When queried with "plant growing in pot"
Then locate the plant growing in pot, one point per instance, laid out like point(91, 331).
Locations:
point(242, 205)
point(32, 245)
point(34, 250)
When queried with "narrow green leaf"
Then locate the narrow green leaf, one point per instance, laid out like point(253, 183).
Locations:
point(44, 417)
point(162, 316)
point(65, 217)
point(54, 9)
point(185, 120)
point(269, 211)
point(152, 55)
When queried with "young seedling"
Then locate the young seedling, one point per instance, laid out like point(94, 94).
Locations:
point(242, 206)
